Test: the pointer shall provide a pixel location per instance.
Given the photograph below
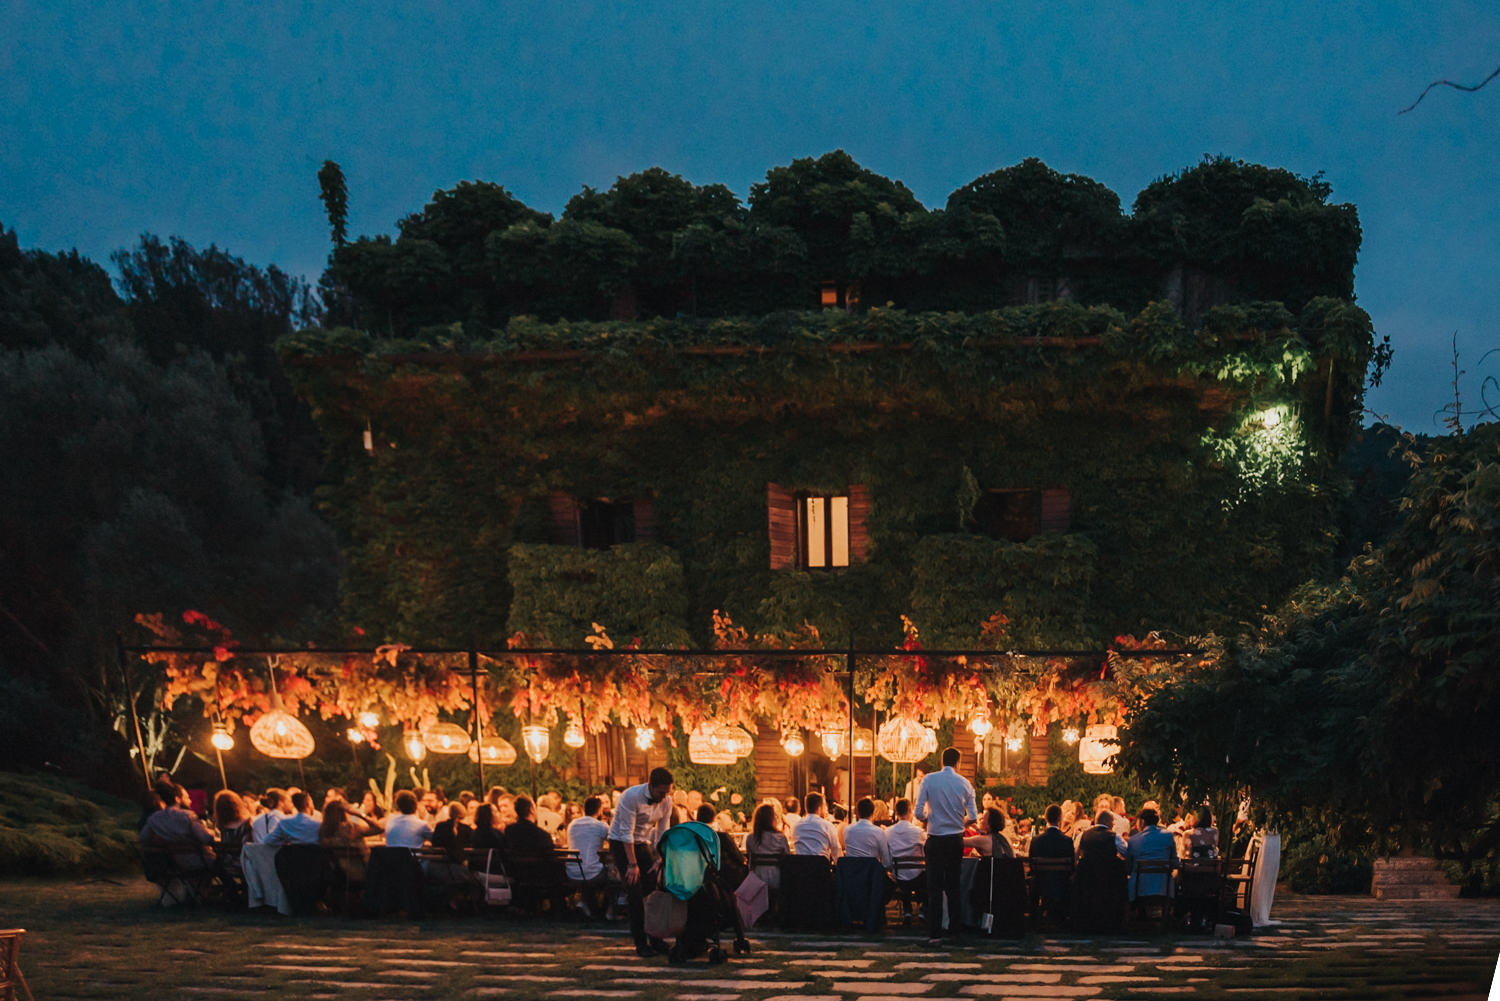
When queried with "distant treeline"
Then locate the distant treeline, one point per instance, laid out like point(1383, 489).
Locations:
point(827, 231)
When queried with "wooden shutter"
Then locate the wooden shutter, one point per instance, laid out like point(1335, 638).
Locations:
point(1057, 510)
point(645, 519)
point(859, 523)
point(781, 525)
point(564, 519)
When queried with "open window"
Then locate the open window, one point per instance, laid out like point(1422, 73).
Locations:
point(817, 531)
point(600, 522)
point(1017, 515)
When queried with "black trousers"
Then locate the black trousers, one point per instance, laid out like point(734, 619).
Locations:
point(945, 854)
point(635, 896)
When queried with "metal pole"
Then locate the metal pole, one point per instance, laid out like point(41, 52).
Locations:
point(853, 762)
point(140, 743)
point(222, 777)
point(478, 722)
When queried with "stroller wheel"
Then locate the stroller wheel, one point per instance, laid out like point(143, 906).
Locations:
point(717, 955)
point(741, 947)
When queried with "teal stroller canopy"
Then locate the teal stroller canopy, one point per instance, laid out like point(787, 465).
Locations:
point(687, 851)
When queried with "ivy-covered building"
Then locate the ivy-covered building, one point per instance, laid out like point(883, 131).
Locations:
point(1081, 470)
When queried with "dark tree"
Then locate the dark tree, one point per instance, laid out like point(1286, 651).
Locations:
point(335, 198)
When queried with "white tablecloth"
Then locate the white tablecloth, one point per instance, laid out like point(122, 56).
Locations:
point(1263, 885)
point(262, 886)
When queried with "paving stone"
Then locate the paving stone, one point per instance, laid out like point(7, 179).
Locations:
point(308, 969)
point(1028, 990)
point(857, 964)
point(806, 997)
point(525, 978)
point(890, 990)
point(1005, 976)
point(852, 974)
point(580, 992)
point(1117, 979)
point(936, 965)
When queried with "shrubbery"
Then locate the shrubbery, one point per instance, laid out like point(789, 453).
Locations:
point(50, 826)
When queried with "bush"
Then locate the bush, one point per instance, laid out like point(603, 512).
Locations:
point(1309, 865)
point(50, 826)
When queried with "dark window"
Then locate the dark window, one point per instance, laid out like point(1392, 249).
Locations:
point(1017, 515)
point(602, 523)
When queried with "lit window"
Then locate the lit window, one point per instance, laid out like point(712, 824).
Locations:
point(823, 524)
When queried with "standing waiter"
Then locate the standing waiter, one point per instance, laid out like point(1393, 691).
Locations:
point(944, 803)
point(642, 815)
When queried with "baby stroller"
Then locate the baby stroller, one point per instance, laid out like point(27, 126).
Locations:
point(690, 872)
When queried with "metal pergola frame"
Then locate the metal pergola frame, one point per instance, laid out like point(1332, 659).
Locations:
point(849, 655)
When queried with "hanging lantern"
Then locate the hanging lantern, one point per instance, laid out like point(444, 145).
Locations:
point(734, 739)
point(537, 740)
point(1070, 735)
point(864, 740)
point(645, 738)
point(833, 742)
point(905, 741)
point(279, 734)
point(792, 742)
point(1098, 745)
point(980, 725)
point(493, 751)
point(355, 735)
point(221, 738)
point(415, 749)
point(446, 738)
point(704, 747)
point(573, 736)
point(369, 720)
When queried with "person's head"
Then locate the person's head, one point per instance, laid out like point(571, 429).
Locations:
point(839, 814)
point(693, 800)
point(332, 794)
point(406, 802)
point(815, 804)
point(903, 808)
point(764, 821)
point(272, 799)
point(659, 785)
point(950, 757)
point(1149, 817)
point(493, 796)
point(229, 809)
point(1105, 819)
point(506, 810)
point(484, 817)
point(987, 800)
point(334, 816)
point(430, 801)
point(1103, 801)
point(882, 811)
point(301, 802)
point(792, 805)
point(1053, 814)
point(457, 812)
point(994, 821)
point(524, 808)
point(1205, 817)
point(591, 806)
point(1117, 805)
point(705, 813)
point(865, 808)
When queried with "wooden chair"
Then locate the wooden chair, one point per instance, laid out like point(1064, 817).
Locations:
point(909, 873)
point(184, 872)
point(1049, 882)
point(1154, 871)
point(1198, 886)
point(11, 977)
point(1237, 876)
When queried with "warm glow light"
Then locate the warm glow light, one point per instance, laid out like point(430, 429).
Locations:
point(1097, 746)
point(864, 740)
point(645, 737)
point(355, 735)
point(221, 739)
point(369, 720)
point(573, 736)
point(415, 749)
point(904, 741)
point(446, 738)
point(792, 742)
point(494, 751)
point(833, 743)
point(1014, 743)
point(981, 725)
point(537, 740)
point(1070, 735)
point(279, 734)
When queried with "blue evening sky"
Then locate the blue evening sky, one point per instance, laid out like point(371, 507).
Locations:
point(208, 121)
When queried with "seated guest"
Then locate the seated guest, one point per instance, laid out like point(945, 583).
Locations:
point(1202, 839)
point(904, 837)
point(453, 836)
point(301, 828)
point(586, 835)
point(814, 834)
point(732, 865)
point(343, 831)
point(404, 829)
point(1098, 901)
point(1050, 888)
point(175, 824)
point(487, 833)
point(1151, 844)
point(525, 843)
point(766, 839)
point(230, 819)
point(549, 814)
point(524, 837)
point(276, 806)
point(862, 839)
point(791, 814)
point(882, 817)
point(1101, 841)
point(991, 839)
point(370, 808)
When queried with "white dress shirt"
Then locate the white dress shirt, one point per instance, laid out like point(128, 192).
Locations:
point(863, 839)
point(263, 824)
point(905, 838)
point(637, 820)
point(586, 836)
point(949, 799)
point(816, 835)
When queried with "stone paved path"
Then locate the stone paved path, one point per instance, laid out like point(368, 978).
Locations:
point(1352, 949)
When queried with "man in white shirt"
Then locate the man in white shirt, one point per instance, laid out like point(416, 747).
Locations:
point(298, 829)
point(862, 839)
point(586, 835)
point(905, 838)
point(404, 828)
point(791, 813)
point(815, 834)
point(944, 804)
point(642, 814)
point(277, 808)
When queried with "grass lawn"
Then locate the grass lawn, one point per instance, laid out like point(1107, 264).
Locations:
point(107, 939)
